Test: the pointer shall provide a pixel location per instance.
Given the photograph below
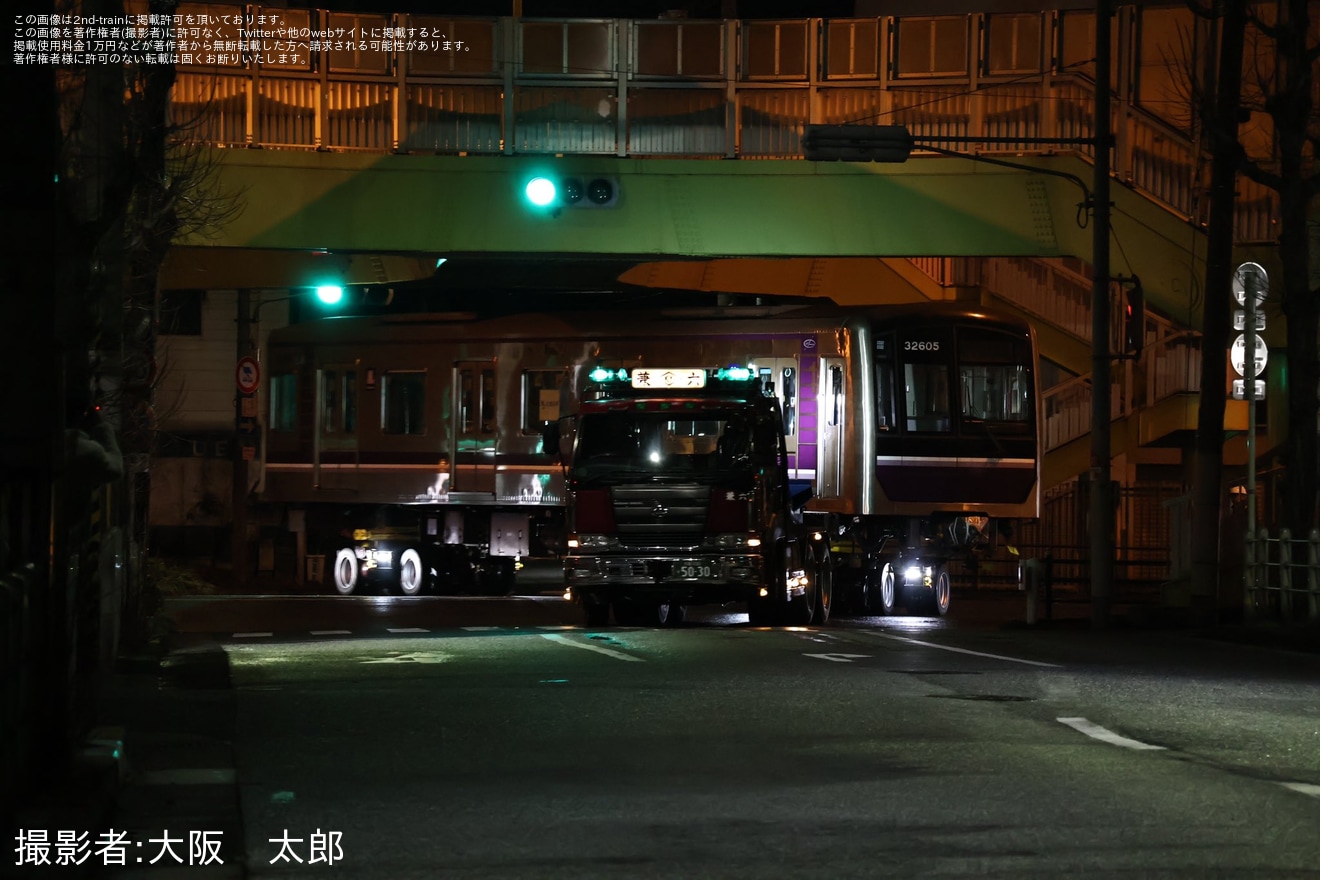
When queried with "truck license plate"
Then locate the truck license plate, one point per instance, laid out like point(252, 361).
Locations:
point(692, 568)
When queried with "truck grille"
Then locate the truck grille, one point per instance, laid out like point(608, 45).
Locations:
point(665, 516)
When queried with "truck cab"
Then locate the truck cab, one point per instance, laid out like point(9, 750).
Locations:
point(679, 495)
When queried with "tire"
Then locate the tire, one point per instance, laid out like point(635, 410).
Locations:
point(345, 574)
point(596, 613)
point(799, 610)
point(412, 577)
point(941, 593)
point(824, 586)
point(887, 595)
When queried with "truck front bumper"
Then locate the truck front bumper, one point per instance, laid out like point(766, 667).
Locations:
point(709, 577)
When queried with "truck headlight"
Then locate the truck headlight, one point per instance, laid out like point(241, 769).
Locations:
point(584, 542)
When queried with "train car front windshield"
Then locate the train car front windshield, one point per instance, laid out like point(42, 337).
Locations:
point(954, 381)
point(711, 445)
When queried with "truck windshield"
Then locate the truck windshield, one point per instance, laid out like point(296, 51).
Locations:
point(633, 443)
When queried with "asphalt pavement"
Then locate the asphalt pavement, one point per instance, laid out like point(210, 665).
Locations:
point(155, 788)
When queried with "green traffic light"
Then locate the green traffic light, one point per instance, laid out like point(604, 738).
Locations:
point(330, 294)
point(540, 191)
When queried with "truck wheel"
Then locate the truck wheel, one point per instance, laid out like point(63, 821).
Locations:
point(411, 574)
point(888, 590)
point(597, 613)
point(346, 572)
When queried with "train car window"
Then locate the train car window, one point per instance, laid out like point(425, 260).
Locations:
point(540, 399)
point(926, 387)
point(884, 396)
point(836, 395)
point(488, 401)
point(330, 402)
point(998, 393)
point(402, 402)
point(283, 402)
point(994, 375)
point(350, 401)
point(788, 385)
point(339, 402)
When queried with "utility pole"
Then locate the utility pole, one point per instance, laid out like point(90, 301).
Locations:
point(1101, 501)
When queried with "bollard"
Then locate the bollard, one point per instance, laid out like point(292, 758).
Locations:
point(1027, 577)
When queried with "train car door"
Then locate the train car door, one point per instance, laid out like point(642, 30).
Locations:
point(474, 427)
point(335, 441)
point(831, 422)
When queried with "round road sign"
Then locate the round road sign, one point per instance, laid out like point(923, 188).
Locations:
point(248, 375)
point(1259, 280)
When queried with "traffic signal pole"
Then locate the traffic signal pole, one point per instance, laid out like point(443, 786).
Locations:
point(1101, 501)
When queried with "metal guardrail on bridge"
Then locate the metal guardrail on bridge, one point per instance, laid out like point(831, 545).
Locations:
point(677, 88)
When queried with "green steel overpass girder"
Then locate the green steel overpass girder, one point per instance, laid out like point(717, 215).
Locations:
point(474, 205)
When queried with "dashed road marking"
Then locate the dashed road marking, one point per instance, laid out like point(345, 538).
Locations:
point(332, 632)
point(1104, 734)
point(405, 629)
point(961, 650)
point(617, 655)
point(253, 635)
point(838, 658)
point(480, 629)
point(1303, 788)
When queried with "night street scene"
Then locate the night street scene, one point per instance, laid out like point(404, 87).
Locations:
point(689, 439)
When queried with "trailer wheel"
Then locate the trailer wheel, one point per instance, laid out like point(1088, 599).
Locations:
point(798, 610)
point(888, 590)
point(941, 592)
point(411, 574)
point(346, 572)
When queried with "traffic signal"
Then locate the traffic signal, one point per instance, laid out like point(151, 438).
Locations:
point(329, 294)
point(1134, 318)
point(857, 143)
point(553, 192)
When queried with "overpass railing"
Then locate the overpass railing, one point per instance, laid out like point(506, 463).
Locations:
point(671, 88)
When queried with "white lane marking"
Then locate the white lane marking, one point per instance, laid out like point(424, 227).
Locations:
point(253, 635)
point(187, 776)
point(332, 632)
point(414, 657)
point(838, 658)
point(405, 629)
point(617, 655)
point(960, 650)
point(1095, 731)
point(1303, 787)
point(480, 629)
